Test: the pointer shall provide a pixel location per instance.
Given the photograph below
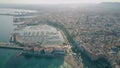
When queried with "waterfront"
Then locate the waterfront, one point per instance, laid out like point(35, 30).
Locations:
point(9, 59)
point(38, 62)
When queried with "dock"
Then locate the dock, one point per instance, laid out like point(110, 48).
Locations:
point(10, 46)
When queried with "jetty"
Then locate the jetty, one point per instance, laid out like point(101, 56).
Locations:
point(10, 46)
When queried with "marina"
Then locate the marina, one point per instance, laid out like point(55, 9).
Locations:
point(15, 53)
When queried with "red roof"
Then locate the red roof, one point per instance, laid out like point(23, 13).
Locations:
point(49, 49)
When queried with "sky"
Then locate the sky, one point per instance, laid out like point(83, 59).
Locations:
point(53, 1)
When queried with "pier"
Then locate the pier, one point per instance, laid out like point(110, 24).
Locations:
point(10, 46)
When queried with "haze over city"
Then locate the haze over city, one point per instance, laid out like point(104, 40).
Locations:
point(59, 34)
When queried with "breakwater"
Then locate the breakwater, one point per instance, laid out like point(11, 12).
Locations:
point(11, 47)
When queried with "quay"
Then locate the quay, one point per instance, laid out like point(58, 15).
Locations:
point(10, 46)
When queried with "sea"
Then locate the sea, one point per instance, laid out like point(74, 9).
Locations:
point(9, 58)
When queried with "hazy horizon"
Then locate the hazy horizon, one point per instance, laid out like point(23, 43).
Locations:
point(54, 1)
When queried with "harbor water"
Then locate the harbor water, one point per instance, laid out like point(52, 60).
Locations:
point(9, 58)
point(6, 27)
